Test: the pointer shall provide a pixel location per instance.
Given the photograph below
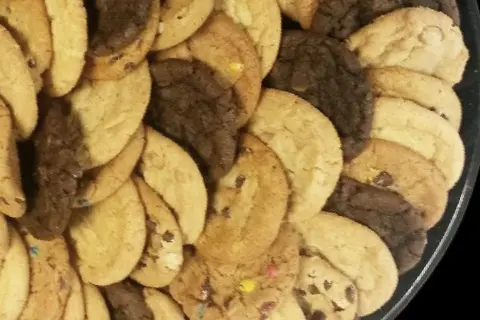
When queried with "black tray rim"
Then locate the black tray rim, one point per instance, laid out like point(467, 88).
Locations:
point(466, 194)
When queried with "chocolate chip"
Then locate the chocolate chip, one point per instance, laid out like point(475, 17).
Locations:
point(129, 66)
point(226, 212)
point(240, 181)
point(336, 307)
point(384, 179)
point(141, 265)
point(168, 237)
point(31, 63)
point(350, 294)
point(327, 284)
point(318, 315)
point(313, 289)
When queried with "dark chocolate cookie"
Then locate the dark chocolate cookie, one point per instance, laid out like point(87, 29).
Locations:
point(191, 105)
point(57, 173)
point(324, 72)
point(127, 302)
point(395, 220)
point(340, 18)
point(114, 24)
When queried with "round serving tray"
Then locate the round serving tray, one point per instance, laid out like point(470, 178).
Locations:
point(441, 236)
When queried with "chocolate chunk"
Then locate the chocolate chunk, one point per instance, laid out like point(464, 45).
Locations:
point(114, 24)
point(313, 289)
point(383, 179)
point(226, 212)
point(190, 104)
point(168, 237)
point(350, 294)
point(239, 181)
point(57, 172)
point(126, 302)
point(387, 213)
point(336, 307)
point(322, 70)
point(318, 315)
point(327, 284)
point(340, 18)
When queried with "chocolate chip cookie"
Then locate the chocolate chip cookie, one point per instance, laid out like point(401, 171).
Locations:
point(321, 70)
point(191, 105)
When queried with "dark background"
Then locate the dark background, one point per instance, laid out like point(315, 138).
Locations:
point(454, 287)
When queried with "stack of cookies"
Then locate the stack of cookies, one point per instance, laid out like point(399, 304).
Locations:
point(217, 160)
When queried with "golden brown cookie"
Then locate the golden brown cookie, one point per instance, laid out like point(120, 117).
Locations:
point(429, 92)
point(109, 238)
point(249, 290)
point(95, 306)
point(68, 22)
point(247, 207)
point(391, 166)
point(227, 48)
point(14, 278)
point(75, 308)
point(171, 172)
point(29, 24)
point(117, 65)
point(307, 144)
point(110, 112)
point(162, 306)
point(262, 21)
point(16, 86)
point(301, 11)
point(357, 252)
point(179, 19)
point(406, 123)
point(51, 278)
point(318, 281)
point(162, 257)
point(419, 39)
point(12, 196)
point(100, 183)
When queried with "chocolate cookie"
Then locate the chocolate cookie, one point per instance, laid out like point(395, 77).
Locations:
point(127, 302)
point(191, 105)
point(321, 70)
point(340, 18)
point(57, 173)
point(114, 24)
point(395, 220)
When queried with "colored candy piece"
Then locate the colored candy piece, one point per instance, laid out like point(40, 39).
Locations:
point(272, 271)
point(34, 251)
point(247, 285)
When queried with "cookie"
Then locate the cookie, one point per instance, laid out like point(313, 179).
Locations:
point(307, 144)
point(171, 172)
point(299, 10)
point(357, 252)
point(95, 307)
point(318, 281)
point(4, 238)
point(162, 257)
point(262, 21)
point(110, 112)
point(341, 18)
point(227, 48)
point(249, 290)
point(57, 173)
point(111, 64)
point(127, 302)
point(68, 23)
point(100, 183)
point(50, 278)
point(429, 92)
point(179, 20)
point(109, 238)
point(287, 310)
point(247, 207)
point(16, 86)
point(406, 123)
point(190, 105)
point(13, 202)
point(395, 220)
point(419, 39)
point(162, 306)
point(14, 278)
point(390, 166)
point(75, 308)
point(29, 24)
point(320, 70)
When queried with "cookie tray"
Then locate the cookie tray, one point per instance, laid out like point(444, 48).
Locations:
point(441, 236)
